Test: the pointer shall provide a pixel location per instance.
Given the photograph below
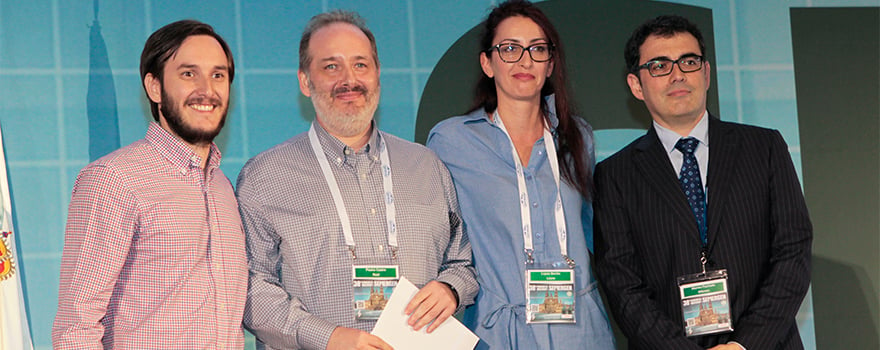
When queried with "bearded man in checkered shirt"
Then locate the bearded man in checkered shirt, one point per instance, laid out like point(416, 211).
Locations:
point(154, 251)
point(345, 195)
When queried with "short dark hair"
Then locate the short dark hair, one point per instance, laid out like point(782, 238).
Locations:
point(165, 42)
point(665, 26)
point(325, 19)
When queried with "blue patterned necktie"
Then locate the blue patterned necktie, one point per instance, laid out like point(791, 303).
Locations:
point(691, 184)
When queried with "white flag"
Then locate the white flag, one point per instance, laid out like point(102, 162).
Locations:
point(14, 332)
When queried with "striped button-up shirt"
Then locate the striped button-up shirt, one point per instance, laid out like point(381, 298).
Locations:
point(154, 252)
point(301, 269)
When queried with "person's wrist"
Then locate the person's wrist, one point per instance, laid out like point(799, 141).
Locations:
point(454, 292)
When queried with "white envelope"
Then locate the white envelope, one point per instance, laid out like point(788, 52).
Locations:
point(393, 329)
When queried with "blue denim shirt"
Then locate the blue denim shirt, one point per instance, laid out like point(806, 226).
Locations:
point(479, 157)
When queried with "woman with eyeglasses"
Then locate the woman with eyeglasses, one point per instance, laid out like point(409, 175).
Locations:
point(522, 166)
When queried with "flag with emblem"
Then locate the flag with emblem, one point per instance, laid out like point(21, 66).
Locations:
point(14, 332)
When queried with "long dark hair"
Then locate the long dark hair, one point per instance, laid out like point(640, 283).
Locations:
point(573, 160)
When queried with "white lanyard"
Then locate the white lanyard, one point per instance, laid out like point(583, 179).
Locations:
point(390, 212)
point(525, 212)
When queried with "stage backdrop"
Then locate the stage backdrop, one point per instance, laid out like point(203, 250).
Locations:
point(71, 90)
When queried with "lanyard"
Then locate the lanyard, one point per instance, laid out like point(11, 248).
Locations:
point(525, 212)
point(387, 185)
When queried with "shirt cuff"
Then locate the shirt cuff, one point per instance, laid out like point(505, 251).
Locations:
point(314, 333)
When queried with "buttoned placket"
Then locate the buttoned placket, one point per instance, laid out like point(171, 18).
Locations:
point(364, 165)
point(204, 179)
point(530, 172)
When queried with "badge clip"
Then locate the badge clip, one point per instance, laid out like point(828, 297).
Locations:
point(529, 258)
point(703, 261)
point(571, 264)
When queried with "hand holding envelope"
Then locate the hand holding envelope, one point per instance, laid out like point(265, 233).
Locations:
point(392, 326)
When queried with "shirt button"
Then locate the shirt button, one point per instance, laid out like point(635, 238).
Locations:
point(381, 248)
point(363, 176)
point(373, 212)
point(338, 160)
point(539, 235)
point(529, 177)
point(347, 151)
point(534, 204)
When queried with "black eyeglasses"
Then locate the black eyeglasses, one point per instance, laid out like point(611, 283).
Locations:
point(687, 63)
point(512, 53)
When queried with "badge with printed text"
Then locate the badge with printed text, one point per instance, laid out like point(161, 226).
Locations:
point(373, 285)
point(704, 303)
point(550, 296)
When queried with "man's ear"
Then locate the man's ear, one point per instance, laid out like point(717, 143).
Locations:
point(304, 83)
point(706, 73)
point(635, 86)
point(153, 87)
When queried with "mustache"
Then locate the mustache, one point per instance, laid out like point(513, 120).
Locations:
point(204, 100)
point(350, 88)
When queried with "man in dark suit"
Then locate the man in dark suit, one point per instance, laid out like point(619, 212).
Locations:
point(750, 219)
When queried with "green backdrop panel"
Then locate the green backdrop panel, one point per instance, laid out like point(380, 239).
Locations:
point(837, 77)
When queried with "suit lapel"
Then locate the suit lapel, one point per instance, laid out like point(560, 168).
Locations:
point(653, 163)
point(724, 146)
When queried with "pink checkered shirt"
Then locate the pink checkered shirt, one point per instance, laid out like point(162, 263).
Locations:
point(153, 253)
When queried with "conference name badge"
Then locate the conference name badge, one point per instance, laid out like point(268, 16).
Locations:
point(550, 296)
point(705, 304)
point(373, 285)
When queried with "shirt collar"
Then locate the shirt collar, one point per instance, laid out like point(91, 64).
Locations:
point(177, 152)
point(339, 151)
point(480, 114)
point(669, 138)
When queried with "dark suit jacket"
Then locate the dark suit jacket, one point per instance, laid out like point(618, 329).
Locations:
point(759, 230)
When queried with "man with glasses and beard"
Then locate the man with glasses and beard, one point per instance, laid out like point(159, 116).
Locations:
point(154, 248)
point(344, 198)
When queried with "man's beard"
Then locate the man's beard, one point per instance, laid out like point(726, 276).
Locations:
point(171, 111)
point(351, 120)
